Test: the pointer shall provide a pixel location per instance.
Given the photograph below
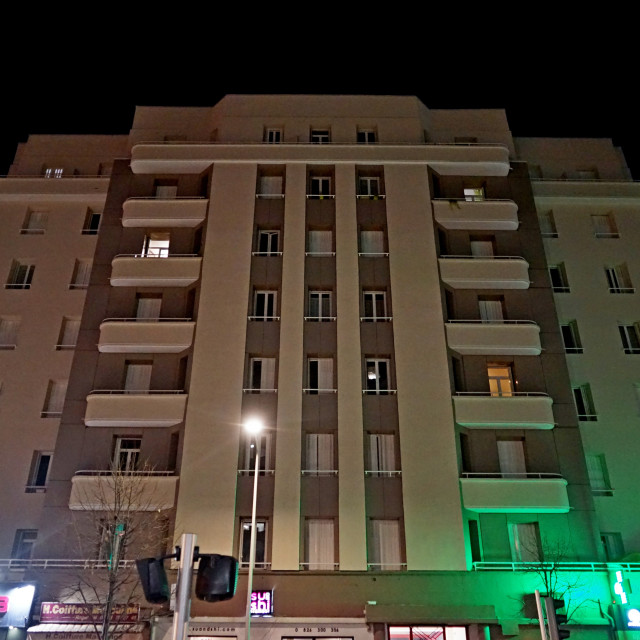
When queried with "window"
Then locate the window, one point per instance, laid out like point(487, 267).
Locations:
point(249, 457)
point(137, 376)
point(320, 242)
point(482, 246)
point(320, 306)
point(604, 226)
point(587, 173)
point(54, 399)
point(273, 135)
point(37, 480)
point(598, 475)
point(53, 172)
point(148, 306)
point(262, 374)
point(385, 545)
point(559, 281)
point(584, 403)
point(465, 140)
point(367, 136)
point(81, 274)
point(91, 223)
point(630, 338)
point(245, 543)
point(9, 332)
point(320, 136)
point(427, 633)
point(20, 276)
point(264, 305)
point(126, 453)
point(525, 542)
point(166, 190)
point(111, 536)
point(491, 308)
point(35, 222)
point(319, 544)
point(319, 454)
point(24, 543)
point(368, 186)
point(156, 245)
point(268, 242)
point(612, 545)
point(319, 186)
point(548, 225)
point(377, 372)
point(270, 186)
point(511, 458)
point(68, 333)
point(382, 454)
point(500, 380)
point(320, 375)
point(375, 306)
point(372, 242)
point(618, 279)
point(571, 337)
point(475, 541)
point(474, 194)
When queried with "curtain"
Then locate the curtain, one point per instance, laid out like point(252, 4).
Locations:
point(57, 392)
point(371, 242)
point(138, 377)
point(386, 544)
point(490, 310)
point(270, 185)
point(320, 241)
point(320, 544)
point(481, 248)
point(148, 308)
point(70, 332)
point(8, 332)
point(381, 452)
point(320, 452)
point(511, 458)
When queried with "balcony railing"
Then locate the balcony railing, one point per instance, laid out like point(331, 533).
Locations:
point(510, 475)
point(19, 564)
point(556, 566)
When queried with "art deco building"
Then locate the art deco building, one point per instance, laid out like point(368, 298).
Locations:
point(367, 277)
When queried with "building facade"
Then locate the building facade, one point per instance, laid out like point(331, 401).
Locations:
point(367, 277)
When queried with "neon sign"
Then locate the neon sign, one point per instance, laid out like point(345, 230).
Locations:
point(619, 588)
point(262, 603)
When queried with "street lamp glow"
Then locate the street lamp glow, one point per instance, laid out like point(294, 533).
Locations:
point(254, 425)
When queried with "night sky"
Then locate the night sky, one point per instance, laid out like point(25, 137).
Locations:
point(554, 79)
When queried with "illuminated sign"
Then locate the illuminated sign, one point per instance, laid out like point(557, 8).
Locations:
point(620, 587)
point(262, 603)
point(78, 612)
point(15, 604)
point(626, 617)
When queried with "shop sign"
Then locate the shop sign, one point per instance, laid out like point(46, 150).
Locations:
point(15, 604)
point(262, 603)
point(79, 613)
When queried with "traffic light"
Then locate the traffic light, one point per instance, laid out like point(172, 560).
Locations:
point(555, 619)
point(154, 580)
point(217, 577)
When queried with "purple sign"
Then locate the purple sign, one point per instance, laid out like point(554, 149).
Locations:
point(262, 603)
point(80, 612)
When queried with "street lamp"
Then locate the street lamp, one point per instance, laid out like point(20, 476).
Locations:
point(253, 427)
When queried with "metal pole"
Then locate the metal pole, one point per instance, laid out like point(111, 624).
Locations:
point(252, 548)
point(183, 589)
point(543, 631)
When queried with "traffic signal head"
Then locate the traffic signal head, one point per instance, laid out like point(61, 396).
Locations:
point(556, 618)
point(154, 580)
point(217, 577)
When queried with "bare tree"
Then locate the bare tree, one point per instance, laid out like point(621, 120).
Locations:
point(120, 518)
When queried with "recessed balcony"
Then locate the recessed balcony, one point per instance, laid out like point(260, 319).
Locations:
point(515, 411)
point(99, 490)
point(497, 337)
point(486, 215)
point(515, 493)
point(142, 271)
point(494, 272)
point(164, 212)
point(135, 335)
point(118, 408)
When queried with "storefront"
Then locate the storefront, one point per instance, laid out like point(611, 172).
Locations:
point(16, 601)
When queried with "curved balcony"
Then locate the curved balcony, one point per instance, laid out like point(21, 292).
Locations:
point(143, 335)
point(164, 212)
point(147, 490)
point(118, 408)
point(514, 493)
point(484, 272)
point(516, 411)
point(485, 215)
point(497, 337)
point(141, 271)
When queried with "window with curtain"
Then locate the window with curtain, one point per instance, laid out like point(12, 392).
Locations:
point(263, 374)
point(148, 307)
point(491, 309)
point(511, 458)
point(320, 241)
point(68, 333)
point(482, 247)
point(319, 454)
point(270, 186)
point(35, 222)
point(385, 545)
point(525, 542)
point(8, 332)
point(372, 242)
point(382, 454)
point(320, 375)
point(604, 226)
point(81, 274)
point(320, 544)
point(54, 399)
point(598, 474)
point(137, 376)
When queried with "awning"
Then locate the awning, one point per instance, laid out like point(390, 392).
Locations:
point(82, 631)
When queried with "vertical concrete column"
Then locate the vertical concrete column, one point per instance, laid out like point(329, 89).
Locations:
point(207, 494)
point(352, 513)
point(431, 494)
point(285, 551)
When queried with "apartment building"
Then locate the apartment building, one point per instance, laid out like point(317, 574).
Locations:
point(368, 278)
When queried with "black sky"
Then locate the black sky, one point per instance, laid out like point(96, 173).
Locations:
point(554, 77)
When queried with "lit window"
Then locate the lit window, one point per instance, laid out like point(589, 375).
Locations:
point(474, 194)
point(500, 380)
point(53, 172)
point(156, 245)
point(377, 376)
point(20, 276)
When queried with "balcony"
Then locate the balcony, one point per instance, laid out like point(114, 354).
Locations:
point(118, 408)
point(471, 272)
point(516, 411)
point(164, 212)
point(498, 337)
point(138, 335)
point(514, 493)
point(141, 271)
point(486, 215)
point(146, 490)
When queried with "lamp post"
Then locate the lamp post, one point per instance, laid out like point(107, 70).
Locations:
point(254, 427)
